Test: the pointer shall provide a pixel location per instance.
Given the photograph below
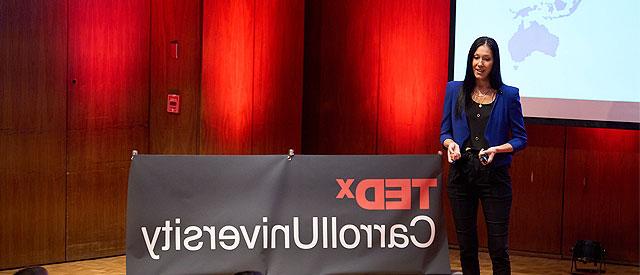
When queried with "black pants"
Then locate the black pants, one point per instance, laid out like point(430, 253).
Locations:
point(470, 182)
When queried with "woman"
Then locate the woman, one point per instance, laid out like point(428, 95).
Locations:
point(482, 126)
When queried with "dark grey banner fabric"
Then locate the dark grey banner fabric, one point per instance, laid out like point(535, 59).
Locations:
point(309, 215)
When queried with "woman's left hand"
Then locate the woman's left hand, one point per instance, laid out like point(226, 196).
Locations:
point(490, 152)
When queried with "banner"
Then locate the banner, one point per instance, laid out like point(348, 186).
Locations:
point(308, 215)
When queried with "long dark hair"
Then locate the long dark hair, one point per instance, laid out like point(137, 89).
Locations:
point(495, 78)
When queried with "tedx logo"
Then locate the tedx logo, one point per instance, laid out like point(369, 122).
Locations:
point(388, 194)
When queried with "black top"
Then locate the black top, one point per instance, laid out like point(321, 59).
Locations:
point(477, 119)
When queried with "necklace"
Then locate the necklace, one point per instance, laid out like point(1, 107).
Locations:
point(481, 95)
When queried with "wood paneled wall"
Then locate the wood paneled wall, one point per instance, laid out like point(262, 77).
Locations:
point(601, 191)
point(537, 175)
point(373, 76)
point(341, 77)
point(181, 22)
point(277, 77)
point(227, 77)
point(413, 54)
point(33, 102)
point(108, 117)
point(251, 76)
point(107, 77)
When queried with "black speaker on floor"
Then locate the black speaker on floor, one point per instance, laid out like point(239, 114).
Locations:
point(33, 270)
point(588, 252)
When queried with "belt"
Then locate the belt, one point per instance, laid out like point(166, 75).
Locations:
point(472, 151)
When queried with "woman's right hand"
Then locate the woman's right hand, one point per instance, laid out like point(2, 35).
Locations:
point(453, 152)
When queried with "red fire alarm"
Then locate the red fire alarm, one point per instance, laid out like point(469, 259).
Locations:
point(173, 103)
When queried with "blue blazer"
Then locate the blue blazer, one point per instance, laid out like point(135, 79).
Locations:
point(506, 123)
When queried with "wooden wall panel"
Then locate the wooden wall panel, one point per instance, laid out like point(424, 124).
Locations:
point(174, 20)
point(32, 199)
point(104, 148)
point(227, 77)
point(277, 89)
point(601, 191)
point(108, 117)
point(98, 213)
point(537, 175)
point(414, 57)
point(251, 77)
point(33, 44)
point(341, 85)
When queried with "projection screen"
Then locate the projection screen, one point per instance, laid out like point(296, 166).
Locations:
point(571, 59)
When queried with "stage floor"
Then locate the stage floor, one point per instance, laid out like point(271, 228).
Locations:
point(519, 265)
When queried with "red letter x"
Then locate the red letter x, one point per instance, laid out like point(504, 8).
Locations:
point(345, 191)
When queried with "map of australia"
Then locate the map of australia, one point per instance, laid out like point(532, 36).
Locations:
point(532, 35)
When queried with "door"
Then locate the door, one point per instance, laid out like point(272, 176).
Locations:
point(108, 117)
